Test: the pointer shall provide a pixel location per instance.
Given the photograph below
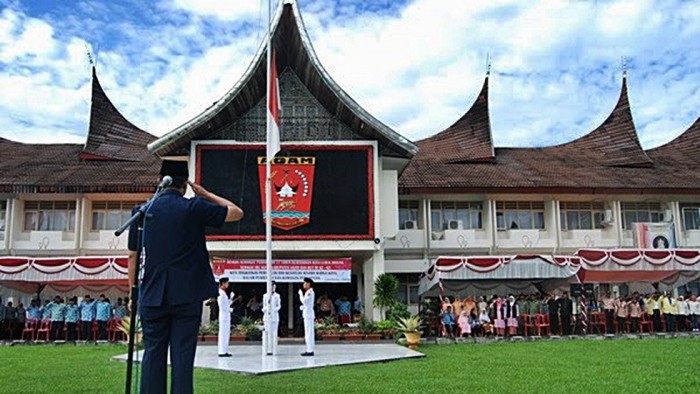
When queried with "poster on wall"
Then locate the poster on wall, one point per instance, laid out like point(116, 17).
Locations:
point(318, 191)
point(654, 236)
point(284, 271)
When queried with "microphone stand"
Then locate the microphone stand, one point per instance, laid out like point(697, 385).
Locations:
point(139, 217)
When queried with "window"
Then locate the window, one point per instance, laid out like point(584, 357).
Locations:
point(408, 288)
point(3, 212)
point(49, 216)
point(691, 216)
point(641, 212)
point(444, 212)
point(582, 215)
point(408, 211)
point(513, 215)
point(109, 215)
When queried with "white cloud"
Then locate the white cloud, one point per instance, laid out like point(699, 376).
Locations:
point(222, 9)
point(556, 72)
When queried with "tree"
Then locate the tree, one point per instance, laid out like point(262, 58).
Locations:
point(386, 287)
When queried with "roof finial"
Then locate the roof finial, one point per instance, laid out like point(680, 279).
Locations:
point(89, 55)
point(623, 61)
point(488, 64)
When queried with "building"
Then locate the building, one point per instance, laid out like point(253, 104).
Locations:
point(375, 199)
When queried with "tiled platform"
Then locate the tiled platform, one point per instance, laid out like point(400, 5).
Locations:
point(248, 359)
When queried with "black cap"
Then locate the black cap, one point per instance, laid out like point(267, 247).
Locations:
point(176, 169)
point(309, 281)
point(223, 280)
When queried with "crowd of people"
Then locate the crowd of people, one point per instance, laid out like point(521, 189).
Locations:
point(563, 315)
point(67, 318)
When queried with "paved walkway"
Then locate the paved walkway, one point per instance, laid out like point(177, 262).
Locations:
point(248, 359)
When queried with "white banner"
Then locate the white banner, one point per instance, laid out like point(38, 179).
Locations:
point(284, 271)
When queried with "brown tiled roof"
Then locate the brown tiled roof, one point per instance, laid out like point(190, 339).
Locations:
point(467, 140)
point(607, 160)
point(615, 141)
point(111, 136)
point(684, 149)
point(114, 159)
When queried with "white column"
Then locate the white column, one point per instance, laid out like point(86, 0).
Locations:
point(373, 267)
point(290, 306)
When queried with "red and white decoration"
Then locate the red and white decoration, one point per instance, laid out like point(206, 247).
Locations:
point(273, 111)
point(284, 271)
point(109, 270)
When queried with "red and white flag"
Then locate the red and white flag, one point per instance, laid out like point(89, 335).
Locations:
point(274, 108)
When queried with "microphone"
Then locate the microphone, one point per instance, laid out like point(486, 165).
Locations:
point(167, 181)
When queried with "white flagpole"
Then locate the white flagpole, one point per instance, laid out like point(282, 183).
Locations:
point(267, 335)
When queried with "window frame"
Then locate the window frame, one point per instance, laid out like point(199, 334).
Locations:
point(124, 209)
point(49, 210)
point(596, 209)
point(627, 207)
point(517, 210)
point(466, 211)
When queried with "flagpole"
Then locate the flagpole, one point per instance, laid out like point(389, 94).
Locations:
point(267, 335)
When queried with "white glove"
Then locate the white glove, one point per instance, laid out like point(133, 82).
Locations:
point(232, 295)
point(301, 293)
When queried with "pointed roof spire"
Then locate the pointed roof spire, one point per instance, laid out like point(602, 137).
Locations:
point(469, 139)
point(110, 135)
point(615, 142)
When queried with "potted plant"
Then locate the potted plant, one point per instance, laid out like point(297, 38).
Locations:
point(239, 333)
point(328, 329)
point(353, 334)
point(410, 327)
point(385, 328)
point(367, 329)
point(386, 287)
point(210, 332)
point(248, 327)
point(125, 326)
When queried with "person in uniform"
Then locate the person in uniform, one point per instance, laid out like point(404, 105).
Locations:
point(273, 306)
point(224, 303)
point(72, 316)
point(177, 276)
point(87, 316)
point(307, 299)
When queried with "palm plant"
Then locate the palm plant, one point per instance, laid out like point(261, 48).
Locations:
point(386, 287)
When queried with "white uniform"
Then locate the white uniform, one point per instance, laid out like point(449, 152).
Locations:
point(224, 321)
point(308, 300)
point(270, 346)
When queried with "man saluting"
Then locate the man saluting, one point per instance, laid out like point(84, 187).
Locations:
point(177, 277)
point(308, 300)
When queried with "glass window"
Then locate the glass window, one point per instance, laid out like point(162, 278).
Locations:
point(581, 215)
point(691, 216)
point(641, 212)
point(520, 215)
point(454, 215)
point(109, 215)
point(49, 216)
point(408, 211)
point(3, 212)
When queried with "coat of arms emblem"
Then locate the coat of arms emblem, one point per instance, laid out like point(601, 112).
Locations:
point(292, 189)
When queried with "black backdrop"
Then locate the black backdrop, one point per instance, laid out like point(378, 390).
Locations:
point(340, 207)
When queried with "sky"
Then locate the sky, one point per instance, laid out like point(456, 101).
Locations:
point(417, 66)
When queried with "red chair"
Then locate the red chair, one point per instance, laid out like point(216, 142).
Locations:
point(542, 324)
point(44, 329)
point(95, 328)
point(344, 319)
point(598, 321)
point(113, 331)
point(29, 330)
point(527, 324)
point(645, 321)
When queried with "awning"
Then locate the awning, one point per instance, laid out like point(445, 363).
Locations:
point(520, 270)
point(67, 271)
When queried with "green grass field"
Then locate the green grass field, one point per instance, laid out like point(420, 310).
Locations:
point(668, 366)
